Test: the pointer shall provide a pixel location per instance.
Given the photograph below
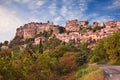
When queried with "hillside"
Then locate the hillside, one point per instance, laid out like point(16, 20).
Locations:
point(74, 30)
point(39, 53)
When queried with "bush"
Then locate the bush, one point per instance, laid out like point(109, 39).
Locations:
point(69, 62)
point(29, 40)
point(108, 49)
point(59, 51)
point(5, 52)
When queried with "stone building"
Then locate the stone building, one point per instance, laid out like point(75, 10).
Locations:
point(110, 24)
point(74, 25)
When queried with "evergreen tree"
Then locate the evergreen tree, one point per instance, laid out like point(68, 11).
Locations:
point(40, 46)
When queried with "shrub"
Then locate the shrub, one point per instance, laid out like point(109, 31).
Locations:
point(69, 62)
point(89, 73)
point(5, 52)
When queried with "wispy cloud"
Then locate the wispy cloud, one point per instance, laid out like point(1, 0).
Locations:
point(71, 10)
point(8, 22)
point(99, 18)
point(31, 4)
point(40, 3)
point(52, 8)
point(57, 19)
point(35, 4)
point(64, 11)
point(21, 1)
point(104, 18)
point(115, 4)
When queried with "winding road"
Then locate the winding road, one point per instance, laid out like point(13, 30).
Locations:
point(111, 72)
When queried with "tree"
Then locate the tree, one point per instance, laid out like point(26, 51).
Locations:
point(5, 52)
point(28, 40)
point(40, 46)
point(29, 49)
point(1, 45)
point(59, 51)
point(107, 50)
point(68, 62)
point(112, 46)
point(86, 23)
point(6, 43)
point(83, 53)
point(61, 29)
point(16, 41)
point(52, 43)
point(98, 54)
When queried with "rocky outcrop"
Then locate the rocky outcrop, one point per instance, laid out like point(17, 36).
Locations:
point(79, 31)
point(31, 29)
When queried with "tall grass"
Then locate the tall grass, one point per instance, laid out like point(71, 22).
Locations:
point(89, 73)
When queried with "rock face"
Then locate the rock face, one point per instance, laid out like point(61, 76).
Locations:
point(79, 31)
point(31, 29)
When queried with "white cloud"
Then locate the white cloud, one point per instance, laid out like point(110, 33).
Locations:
point(39, 3)
point(66, 2)
point(64, 11)
point(57, 19)
point(98, 18)
point(22, 1)
point(35, 4)
point(77, 11)
point(103, 18)
point(52, 8)
point(31, 4)
point(72, 10)
point(32, 19)
point(8, 24)
point(115, 5)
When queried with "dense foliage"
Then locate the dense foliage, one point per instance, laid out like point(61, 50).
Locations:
point(107, 50)
point(32, 64)
point(57, 60)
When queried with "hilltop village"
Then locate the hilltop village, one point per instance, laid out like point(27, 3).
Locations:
point(79, 31)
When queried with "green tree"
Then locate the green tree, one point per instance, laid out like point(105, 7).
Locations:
point(112, 46)
point(40, 47)
point(28, 40)
point(6, 43)
point(59, 51)
point(51, 43)
point(68, 62)
point(108, 49)
point(83, 53)
point(29, 49)
point(98, 54)
point(15, 42)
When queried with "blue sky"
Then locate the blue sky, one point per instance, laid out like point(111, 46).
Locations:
point(15, 13)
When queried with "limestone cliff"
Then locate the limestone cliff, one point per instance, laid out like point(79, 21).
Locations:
point(80, 31)
point(32, 29)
